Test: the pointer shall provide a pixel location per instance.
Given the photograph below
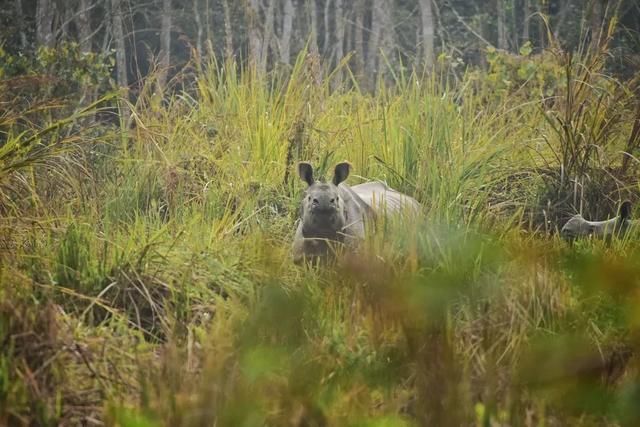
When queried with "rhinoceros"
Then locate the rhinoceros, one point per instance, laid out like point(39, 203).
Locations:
point(333, 212)
point(577, 226)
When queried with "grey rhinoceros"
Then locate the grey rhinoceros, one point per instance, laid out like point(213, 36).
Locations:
point(577, 226)
point(333, 212)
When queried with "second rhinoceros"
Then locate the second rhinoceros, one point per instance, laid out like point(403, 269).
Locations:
point(577, 226)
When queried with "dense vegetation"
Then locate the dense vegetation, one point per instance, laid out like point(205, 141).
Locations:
point(145, 266)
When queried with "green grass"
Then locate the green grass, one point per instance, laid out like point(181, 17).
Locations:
point(146, 278)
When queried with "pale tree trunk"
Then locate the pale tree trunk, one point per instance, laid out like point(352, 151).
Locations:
point(267, 34)
point(287, 29)
point(118, 36)
point(525, 22)
point(340, 30)
point(21, 26)
point(117, 26)
point(419, 52)
point(83, 22)
point(358, 37)
point(502, 30)
point(207, 23)
point(387, 34)
point(165, 44)
point(562, 16)
point(542, 31)
point(228, 32)
point(326, 42)
point(313, 25)
point(426, 12)
point(65, 16)
point(199, 28)
point(313, 42)
point(373, 45)
point(253, 18)
point(348, 28)
point(44, 23)
point(513, 37)
point(338, 47)
point(108, 30)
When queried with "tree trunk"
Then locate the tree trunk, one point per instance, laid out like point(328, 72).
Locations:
point(358, 38)
point(542, 31)
point(338, 49)
point(326, 39)
point(373, 45)
point(105, 45)
point(165, 44)
point(525, 21)
point(228, 32)
point(199, 28)
point(118, 36)
point(348, 30)
point(44, 23)
point(253, 18)
point(313, 25)
point(502, 24)
point(426, 13)
point(267, 34)
point(314, 52)
point(21, 26)
point(512, 28)
point(387, 33)
point(340, 30)
point(562, 16)
point(287, 27)
point(65, 15)
point(83, 22)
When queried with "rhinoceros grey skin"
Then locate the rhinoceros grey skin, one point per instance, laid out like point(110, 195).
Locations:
point(577, 226)
point(384, 199)
point(335, 212)
point(331, 212)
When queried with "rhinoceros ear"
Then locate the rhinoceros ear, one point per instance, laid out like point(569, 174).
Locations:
point(341, 172)
point(625, 210)
point(305, 170)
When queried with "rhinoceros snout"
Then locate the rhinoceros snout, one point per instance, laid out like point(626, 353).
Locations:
point(324, 203)
point(324, 210)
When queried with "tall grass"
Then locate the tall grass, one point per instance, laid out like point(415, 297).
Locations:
point(158, 286)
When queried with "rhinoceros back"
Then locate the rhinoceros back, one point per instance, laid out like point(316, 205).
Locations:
point(383, 199)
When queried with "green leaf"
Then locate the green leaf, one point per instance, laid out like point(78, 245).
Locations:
point(526, 49)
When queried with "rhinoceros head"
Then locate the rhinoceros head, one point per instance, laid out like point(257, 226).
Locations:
point(323, 213)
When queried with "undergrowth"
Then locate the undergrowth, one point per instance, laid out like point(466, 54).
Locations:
point(146, 275)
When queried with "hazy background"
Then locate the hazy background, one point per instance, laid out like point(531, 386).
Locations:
point(375, 37)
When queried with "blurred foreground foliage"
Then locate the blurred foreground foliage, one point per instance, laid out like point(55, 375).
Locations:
point(145, 274)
